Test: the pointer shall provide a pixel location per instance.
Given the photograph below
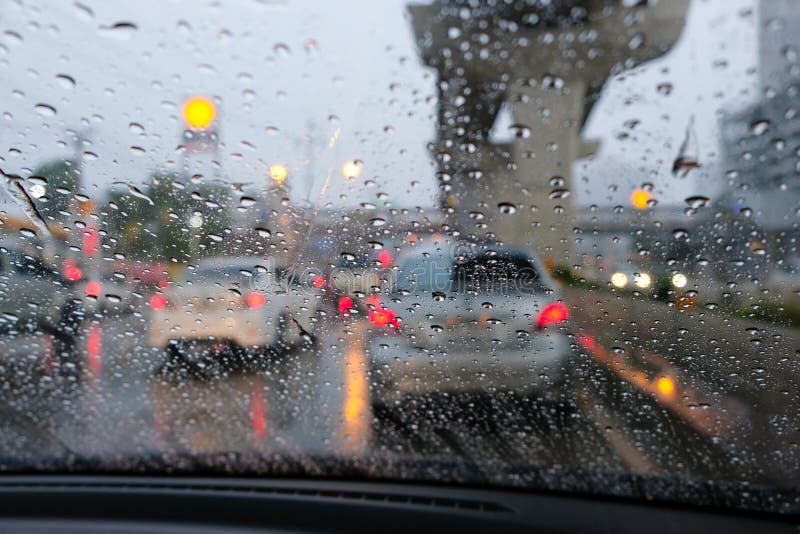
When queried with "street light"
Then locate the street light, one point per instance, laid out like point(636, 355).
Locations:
point(352, 169)
point(278, 173)
point(199, 112)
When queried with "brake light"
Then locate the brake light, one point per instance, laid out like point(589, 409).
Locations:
point(158, 301)
point(71, 271)
point(381, 316)
point(553, 313)
point(318, 281)
point(93, 289)
point(385, 258)
point(345, 305)
point(255, 300)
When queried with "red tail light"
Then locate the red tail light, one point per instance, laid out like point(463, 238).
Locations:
point(71, 271)
point(553, 313)
point(385, 258)
point(158, 301)
point(93, 289)
point(345, 305)
point(318, 281)
point(381, 316)
point(255, 300)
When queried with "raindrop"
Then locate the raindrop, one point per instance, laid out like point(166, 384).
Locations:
point(136, 128)
point(680, 233)
point(520, 131)
point(263, 232)
point(84, 12)
point(246, 202)
point(697, 201)
point(507, 208)
point(138, 194)
point(377, 221)
point(119, 30)
point(281, 49)
point(66, 81)
point(13, 37)
point(348, 256)
point(45, 110)
point(664, 88)
point(760, 127)
point(438, 296)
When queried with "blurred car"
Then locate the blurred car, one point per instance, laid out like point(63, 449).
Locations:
point(488, 320)
point(232, 308)
point(34, 295)
point(356, 277)
point(109, 293)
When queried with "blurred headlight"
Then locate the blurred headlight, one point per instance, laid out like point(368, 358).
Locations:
point(619, 280)
point(679, 280)
point(642, 280)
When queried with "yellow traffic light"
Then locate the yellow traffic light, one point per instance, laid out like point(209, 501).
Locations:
point(641, 199)
point(351, 169)
point(278, 173)
point(199, 112)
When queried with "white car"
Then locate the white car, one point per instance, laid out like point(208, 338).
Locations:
point(490, 320)
point(233, 307)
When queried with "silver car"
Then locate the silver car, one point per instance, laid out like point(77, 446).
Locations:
point(236, 307)
point(479, 320)
point(33, 295)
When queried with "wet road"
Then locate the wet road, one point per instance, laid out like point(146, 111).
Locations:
point(639, 402)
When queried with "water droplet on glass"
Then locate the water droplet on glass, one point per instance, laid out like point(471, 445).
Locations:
point(520, 131)
point(760, 127)
point(507, 208)
point(664, 88)
point(119, 30)
point(281, 50)
point(45, 110)
point(697, 201)
point(65, 81)
point(680, 233)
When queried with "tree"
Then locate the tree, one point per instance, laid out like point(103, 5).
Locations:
point(63, 181)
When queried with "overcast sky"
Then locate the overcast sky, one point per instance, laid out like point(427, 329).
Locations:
point(282, 71)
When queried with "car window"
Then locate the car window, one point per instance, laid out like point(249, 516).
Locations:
point(547, 245)
point(501, 274)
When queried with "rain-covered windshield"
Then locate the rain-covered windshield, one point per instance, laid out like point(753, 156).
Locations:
point(546, 244)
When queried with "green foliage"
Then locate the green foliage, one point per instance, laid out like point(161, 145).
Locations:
point(160, 231)
point(63, 180)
